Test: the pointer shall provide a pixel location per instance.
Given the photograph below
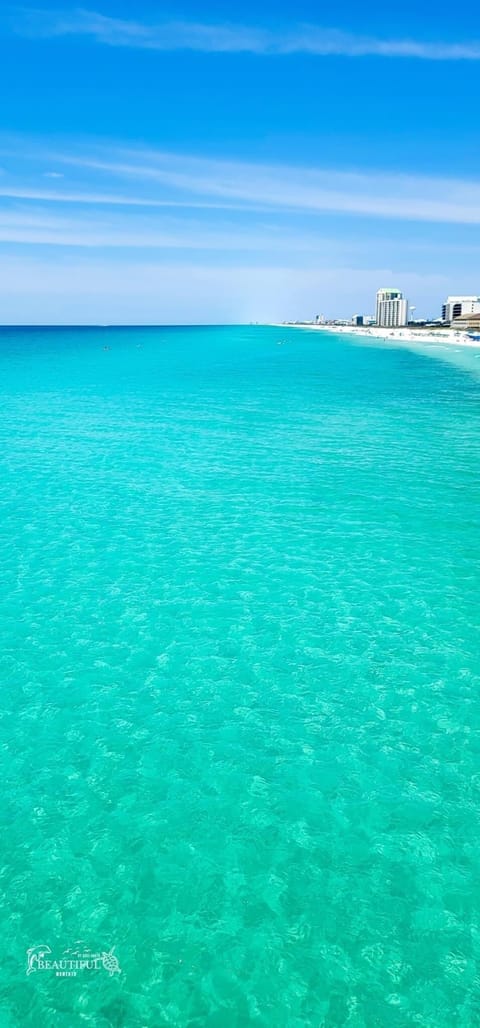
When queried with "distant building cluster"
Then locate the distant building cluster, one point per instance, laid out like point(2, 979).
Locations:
point(363, 319)
point(392, 310)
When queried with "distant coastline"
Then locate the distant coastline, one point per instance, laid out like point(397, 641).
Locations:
point(394, 335)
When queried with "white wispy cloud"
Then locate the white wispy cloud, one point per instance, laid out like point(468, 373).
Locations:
point(35, 226)
point(12, 190)
point(120, 176)
point(283, 188)
point(230, 38)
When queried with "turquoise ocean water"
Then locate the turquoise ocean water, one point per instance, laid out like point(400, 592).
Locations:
point(239, 655)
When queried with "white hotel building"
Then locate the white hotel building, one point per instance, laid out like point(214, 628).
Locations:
point(459, 306)
point(392, 309)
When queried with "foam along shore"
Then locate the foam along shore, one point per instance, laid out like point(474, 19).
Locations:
point(439, 337)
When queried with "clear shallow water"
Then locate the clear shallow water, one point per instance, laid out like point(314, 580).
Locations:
point(240, 731)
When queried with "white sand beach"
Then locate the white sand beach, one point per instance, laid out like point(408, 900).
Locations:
point(395, 336)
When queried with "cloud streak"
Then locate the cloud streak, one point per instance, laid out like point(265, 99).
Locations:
point(137, 179)
point(284, 188)
point(35, 226)
point(229, 38)
point(92, 198)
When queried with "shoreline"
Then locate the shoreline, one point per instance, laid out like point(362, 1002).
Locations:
point(446, 336)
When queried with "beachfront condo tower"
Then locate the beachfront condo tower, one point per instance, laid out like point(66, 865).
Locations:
point(459, 307)
point(392, 308)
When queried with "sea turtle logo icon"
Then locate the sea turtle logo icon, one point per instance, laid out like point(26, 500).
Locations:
point(110, 963)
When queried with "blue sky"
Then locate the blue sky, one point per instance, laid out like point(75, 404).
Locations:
point(166, 164)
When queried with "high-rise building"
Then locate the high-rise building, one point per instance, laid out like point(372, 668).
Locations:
point(392, 308)
point(459, 306)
